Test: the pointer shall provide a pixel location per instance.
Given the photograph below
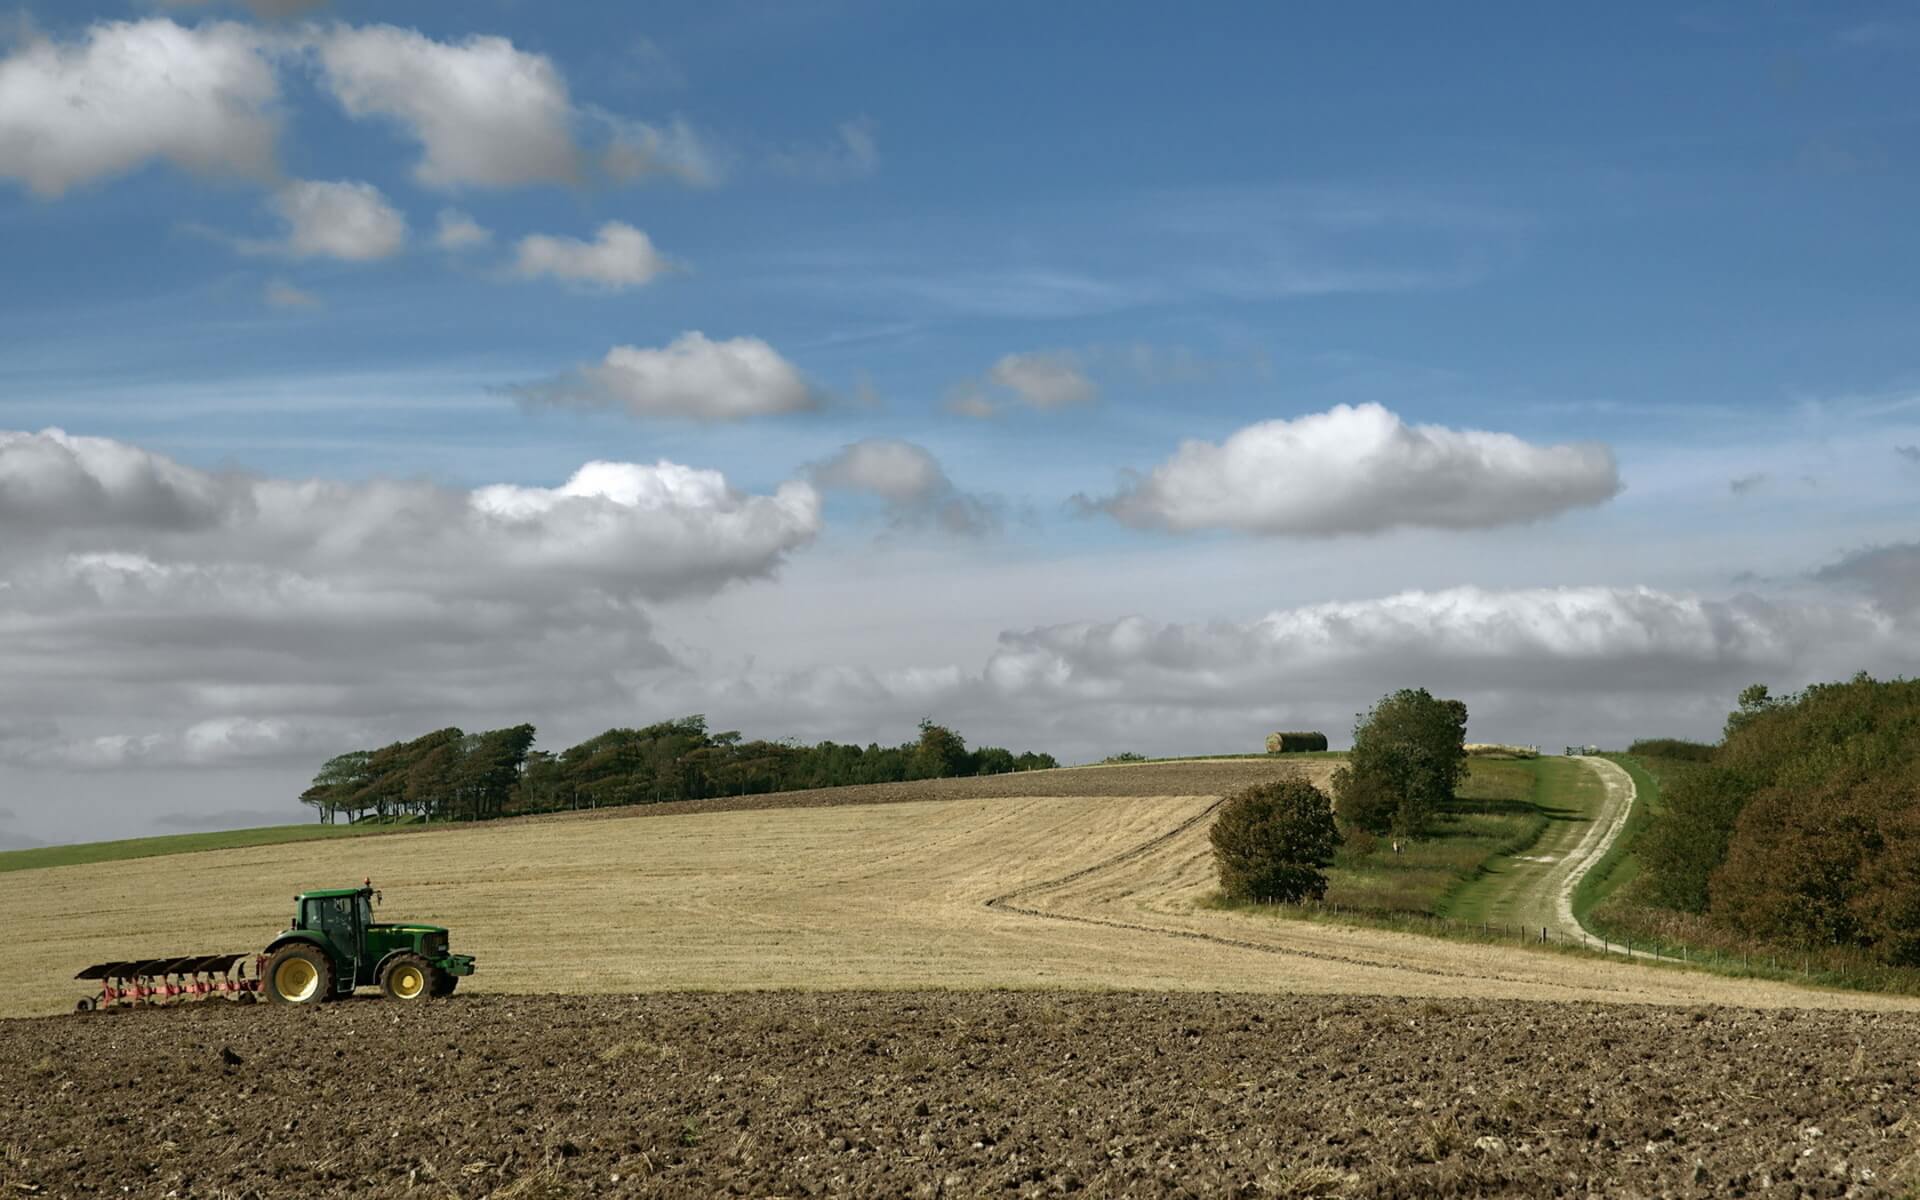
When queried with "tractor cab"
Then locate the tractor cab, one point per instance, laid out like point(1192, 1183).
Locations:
point(335, 945)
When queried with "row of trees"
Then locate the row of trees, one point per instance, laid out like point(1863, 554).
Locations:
point(453, 775)
point(1803, 826)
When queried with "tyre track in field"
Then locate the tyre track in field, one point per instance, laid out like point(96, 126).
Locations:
point(1010, 902)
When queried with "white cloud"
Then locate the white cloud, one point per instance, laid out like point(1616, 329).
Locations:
point(458, 231)
point(619, 257)
point(638, 151)
point(156, 614)
point(853, 153)
point(968, 400)
point(485, 112)
point(1363, 470)
point(133, 92)
point(692, 376)
point(281, 294)
point(1044, 379)
point(1890, 574)
point(910, 481)
point(336, 219)
point(1549, 666)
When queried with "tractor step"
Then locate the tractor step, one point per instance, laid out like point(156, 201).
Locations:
point(131, 982)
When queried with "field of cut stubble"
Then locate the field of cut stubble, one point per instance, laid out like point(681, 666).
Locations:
point(1089, 878)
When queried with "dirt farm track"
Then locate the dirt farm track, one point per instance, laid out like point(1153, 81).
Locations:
point(1001, 987)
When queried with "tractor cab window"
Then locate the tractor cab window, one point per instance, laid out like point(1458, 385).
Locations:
point(364, 907)
point(332, 915)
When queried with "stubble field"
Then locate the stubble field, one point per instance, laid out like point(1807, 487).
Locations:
point(1100, 881)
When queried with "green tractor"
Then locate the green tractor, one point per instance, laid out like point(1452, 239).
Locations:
point(335, 946)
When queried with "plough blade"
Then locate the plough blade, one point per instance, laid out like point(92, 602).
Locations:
point(138, 981)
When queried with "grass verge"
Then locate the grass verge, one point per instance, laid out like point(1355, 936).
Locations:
point(184, 843)
point(1494, 814)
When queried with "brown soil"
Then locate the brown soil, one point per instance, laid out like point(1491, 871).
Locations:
point(941, 1093)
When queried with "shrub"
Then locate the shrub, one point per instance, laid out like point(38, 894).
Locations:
point(1295, 743)
point(1409, 754)
point(1675, 748)
point(1125, 756)
point(1804, 828)
point(1274, 841)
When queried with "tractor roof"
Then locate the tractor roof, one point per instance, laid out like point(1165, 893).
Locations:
point(332, 893)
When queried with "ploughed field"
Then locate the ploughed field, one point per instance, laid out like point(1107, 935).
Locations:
point(1088, 878)
point(916, 1093)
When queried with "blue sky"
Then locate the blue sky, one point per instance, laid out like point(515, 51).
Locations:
point(1680, 236)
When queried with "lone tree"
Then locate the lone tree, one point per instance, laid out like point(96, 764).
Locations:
point(1274, 841)
point(1409, 754)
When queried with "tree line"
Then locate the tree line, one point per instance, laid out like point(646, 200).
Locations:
point(451, 774)
point(1802, 826)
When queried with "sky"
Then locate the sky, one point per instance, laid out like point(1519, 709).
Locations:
point(1090, 378)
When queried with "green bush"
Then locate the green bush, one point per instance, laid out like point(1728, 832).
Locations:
point(1274, 841)
point(1678, 749)
point(1295, 743)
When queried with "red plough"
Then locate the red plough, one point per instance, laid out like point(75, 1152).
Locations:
point(170, 980)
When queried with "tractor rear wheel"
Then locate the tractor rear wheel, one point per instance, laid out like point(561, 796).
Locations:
point(410, 978)
point(298, 974)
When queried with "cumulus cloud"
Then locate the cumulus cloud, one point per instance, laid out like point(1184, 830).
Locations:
point(1890, 574)
point(1044, 379)
point(161, 615)
point(281, 294)
point(339, 219)
point(1549, 666)
point(128, 93)
point(693, 377)
point(1041, 379)
point(970, 400)
point(638, 152)
point(619, 257)
point(457, 231)
point(1910, 453)
point(911, 483)
point(1747, 484)
point(1362, 470)
point(485, 113)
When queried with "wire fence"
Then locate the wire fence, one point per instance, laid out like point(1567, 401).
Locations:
point(1828, 966)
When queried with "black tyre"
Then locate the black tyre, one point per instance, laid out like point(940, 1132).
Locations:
point(445, 985)
point(85, 1004)
point(298, 974)
point(409, 979)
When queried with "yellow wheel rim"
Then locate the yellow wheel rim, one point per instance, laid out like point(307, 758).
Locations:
point(296, 980)
point(408, 982)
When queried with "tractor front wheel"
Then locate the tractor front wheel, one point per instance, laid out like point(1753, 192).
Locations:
point(410, 978)
point(299, 974)
point(446, 983)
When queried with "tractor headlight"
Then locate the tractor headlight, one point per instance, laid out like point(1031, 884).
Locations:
point(436, 943)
